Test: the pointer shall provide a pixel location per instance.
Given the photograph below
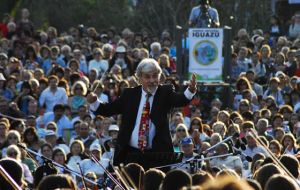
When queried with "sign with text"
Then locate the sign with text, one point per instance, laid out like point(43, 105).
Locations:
point(205, 56)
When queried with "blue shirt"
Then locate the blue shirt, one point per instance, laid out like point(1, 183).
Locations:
point(62, 123)
point(195, 16)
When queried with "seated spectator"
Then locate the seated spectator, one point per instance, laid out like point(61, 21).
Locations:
point(88, 165)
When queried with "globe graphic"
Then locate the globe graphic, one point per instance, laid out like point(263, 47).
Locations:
point(205, 52)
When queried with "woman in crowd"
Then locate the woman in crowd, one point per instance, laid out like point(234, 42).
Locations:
point(76, 155)
point(14, 152)
point(289, 144)
point(181, 132)
point(78, 99)
point(13, 138)
point(276, 148)
point(196, 132)
point(31, 139)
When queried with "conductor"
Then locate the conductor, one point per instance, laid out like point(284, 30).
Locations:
point(144, 126)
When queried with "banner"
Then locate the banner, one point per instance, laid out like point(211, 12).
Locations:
point(205, 54)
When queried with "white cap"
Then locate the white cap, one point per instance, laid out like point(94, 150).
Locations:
point(121, 49)
point(278, 73)
point(49, 133)
point(113, 128)
point(95, 147)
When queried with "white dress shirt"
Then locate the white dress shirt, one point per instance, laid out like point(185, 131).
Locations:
point(135, 133)
point(52, 98)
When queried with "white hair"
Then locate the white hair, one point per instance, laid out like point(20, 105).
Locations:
point(66, 48)
point(147, 65)
point(264, 121)
point(13, 148)
point(155, 44)
point(108, 47)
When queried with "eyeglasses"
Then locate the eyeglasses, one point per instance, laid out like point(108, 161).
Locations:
point(97, 53)
point(180, 130)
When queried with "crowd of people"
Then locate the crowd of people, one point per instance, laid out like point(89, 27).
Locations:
point(49, 136)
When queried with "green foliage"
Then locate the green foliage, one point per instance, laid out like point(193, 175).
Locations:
point(155, 15)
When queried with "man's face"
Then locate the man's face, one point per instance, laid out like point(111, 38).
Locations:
point(51, 139)
point(187, 148)
point(59, 113)
point(3, 61)
point(261, 127)
point(53, 83)
point(150, 81)
point(84, 130)
point(251, 141)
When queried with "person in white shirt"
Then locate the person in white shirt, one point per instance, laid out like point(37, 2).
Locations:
point(98, 63)
point(53, 95)
point(231, 162)
point(88, 165)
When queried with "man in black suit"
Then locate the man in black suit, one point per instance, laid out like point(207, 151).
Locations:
point(130, 104)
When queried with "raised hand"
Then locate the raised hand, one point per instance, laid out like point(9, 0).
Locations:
point(193, 84)
point(91, 98)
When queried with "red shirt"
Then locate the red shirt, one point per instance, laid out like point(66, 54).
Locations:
point(3, 30)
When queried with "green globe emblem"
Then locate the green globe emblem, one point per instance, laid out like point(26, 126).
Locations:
point(205, 52)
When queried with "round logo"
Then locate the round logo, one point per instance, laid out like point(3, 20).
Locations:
point(205, 52)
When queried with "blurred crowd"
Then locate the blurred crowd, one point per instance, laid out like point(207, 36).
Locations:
point(46, 75)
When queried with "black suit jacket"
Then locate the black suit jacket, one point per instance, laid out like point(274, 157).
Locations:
point(164, 100)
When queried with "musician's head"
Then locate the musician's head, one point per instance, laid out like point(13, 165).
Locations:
point(60, 181)
point(136, 172)
point(291, 163)
point(148, 72)
point(279, 181)
point(176, 179)
point(226, 182)
point(265, 172)
point(15, 170)
point(153, 178)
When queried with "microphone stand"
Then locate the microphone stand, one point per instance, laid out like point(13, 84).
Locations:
point(58, 165)
point(82, 176)
point(107, 172)
point(195, 159)
point(9, 179)
point(225, 140)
